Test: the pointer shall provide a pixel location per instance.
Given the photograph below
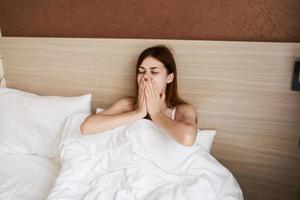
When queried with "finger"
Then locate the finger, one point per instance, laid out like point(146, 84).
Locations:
point(155, 88)
point(140, 84)
point(141, 80)
point(147, 86)
point(152, 89)
point(147, 92)
point(140, 93)
point(142, 97)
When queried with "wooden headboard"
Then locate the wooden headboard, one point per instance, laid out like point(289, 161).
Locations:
point(242, 89)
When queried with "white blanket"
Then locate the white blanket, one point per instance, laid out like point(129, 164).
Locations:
point(26, 177)
point(137, 161)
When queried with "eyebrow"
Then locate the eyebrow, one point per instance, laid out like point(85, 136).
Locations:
point(150, 67)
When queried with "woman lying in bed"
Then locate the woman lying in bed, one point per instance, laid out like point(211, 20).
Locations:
point(157, 100)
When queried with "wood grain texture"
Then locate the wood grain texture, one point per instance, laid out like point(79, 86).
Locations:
point(243, 20)
point(242, 89)
point(2, 78)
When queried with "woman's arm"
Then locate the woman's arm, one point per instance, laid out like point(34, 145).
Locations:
point(119, 113)
point(98, 123)
point(183, 128)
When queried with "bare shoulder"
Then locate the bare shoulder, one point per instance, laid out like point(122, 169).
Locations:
point(187, 113)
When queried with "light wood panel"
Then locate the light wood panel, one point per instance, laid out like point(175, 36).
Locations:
point(2, 78)
point(242, 89)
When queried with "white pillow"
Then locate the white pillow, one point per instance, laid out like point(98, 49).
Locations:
point(204, 138)
point(30, 124)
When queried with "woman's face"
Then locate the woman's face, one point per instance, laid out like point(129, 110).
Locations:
point(152, 68)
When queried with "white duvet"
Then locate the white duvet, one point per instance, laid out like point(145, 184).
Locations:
point(26, 177)
point(137, 161)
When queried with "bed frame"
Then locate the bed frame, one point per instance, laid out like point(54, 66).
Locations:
point(241, 89)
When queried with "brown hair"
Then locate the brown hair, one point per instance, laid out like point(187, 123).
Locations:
point(164, 55)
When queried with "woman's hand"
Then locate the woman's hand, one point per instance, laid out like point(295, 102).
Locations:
point(141, 104)
point(155, 101)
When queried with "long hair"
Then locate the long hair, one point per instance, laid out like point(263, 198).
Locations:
point(164, 55)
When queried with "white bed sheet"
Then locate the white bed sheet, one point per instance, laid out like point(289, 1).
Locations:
point(26, 177)
point(121, 164)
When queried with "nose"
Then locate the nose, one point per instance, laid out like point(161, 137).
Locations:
point(147, 76)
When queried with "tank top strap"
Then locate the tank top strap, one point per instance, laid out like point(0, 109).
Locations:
point(173, 113)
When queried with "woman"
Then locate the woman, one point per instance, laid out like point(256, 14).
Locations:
point(157, 99)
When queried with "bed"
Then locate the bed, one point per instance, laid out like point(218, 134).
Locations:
point(26, 176)
point(238, 88)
